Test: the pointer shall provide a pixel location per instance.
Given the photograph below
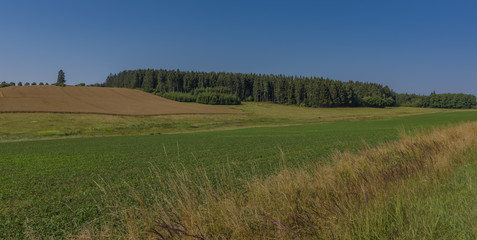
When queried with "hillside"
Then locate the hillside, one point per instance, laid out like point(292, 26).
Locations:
point(117, 101)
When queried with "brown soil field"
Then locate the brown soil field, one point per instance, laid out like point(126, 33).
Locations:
point(116, 101)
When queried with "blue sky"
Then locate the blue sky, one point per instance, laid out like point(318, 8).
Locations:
point(412, 46)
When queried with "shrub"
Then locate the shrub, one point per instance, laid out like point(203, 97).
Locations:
point(379, 102)
point(179, 96)
point(218, 99)
point(222, 90)
point(5, 84)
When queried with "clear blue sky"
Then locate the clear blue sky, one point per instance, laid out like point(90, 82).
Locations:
point(412, 46)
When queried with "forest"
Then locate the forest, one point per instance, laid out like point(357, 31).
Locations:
point(281, 89)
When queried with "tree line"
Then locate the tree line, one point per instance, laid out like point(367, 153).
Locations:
point(444, 100)
point(60, 82)
point(5, 84)
point(282, 89)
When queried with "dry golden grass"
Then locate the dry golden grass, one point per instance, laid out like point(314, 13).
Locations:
point(294, 204)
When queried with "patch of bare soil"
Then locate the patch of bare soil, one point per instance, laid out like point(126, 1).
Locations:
point(117, 101)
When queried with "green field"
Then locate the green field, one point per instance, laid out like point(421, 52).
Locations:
point(20, 126)
point(48, 187)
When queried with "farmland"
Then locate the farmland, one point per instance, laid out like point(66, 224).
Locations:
point(50, 186)
point(20, 126)
point(214, 120)
point(78, 99)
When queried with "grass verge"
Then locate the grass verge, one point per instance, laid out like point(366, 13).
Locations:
point(353, 198)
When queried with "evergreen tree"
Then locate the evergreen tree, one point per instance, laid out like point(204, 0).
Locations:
point(313, 92)
point(148, 81)
point(61, 79)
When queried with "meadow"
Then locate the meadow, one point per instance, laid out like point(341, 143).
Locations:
point(52, 188)
point(21, 126)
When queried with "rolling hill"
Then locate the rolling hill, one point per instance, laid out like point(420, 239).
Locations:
point(75, 99)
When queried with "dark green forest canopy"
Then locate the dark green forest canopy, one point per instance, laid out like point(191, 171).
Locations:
point(282, 89)
point(444, 100)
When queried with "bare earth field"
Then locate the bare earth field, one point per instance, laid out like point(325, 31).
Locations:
point(115, 101)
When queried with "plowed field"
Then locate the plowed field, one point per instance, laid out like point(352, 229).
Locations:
point(118, 101)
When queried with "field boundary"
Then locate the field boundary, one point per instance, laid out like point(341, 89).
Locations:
point(1, 94)
point(119, 114)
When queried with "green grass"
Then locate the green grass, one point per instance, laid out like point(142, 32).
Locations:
point(431, 207)
point(18, 126)
point(48, 187)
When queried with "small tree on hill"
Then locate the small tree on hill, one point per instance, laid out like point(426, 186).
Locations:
point(61, 79)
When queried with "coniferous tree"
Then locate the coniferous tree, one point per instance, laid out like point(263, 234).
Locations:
point(61, 79)
point(313, 92)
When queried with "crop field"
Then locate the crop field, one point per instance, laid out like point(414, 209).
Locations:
point(49, 188)
point(117, 101)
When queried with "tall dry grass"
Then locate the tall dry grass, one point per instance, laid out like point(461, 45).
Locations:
point(294, 204)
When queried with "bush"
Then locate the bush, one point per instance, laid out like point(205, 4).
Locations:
point(5, 84)
point(219, 90)
point(179, 96)
point(379, 102)
point(218, 99)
